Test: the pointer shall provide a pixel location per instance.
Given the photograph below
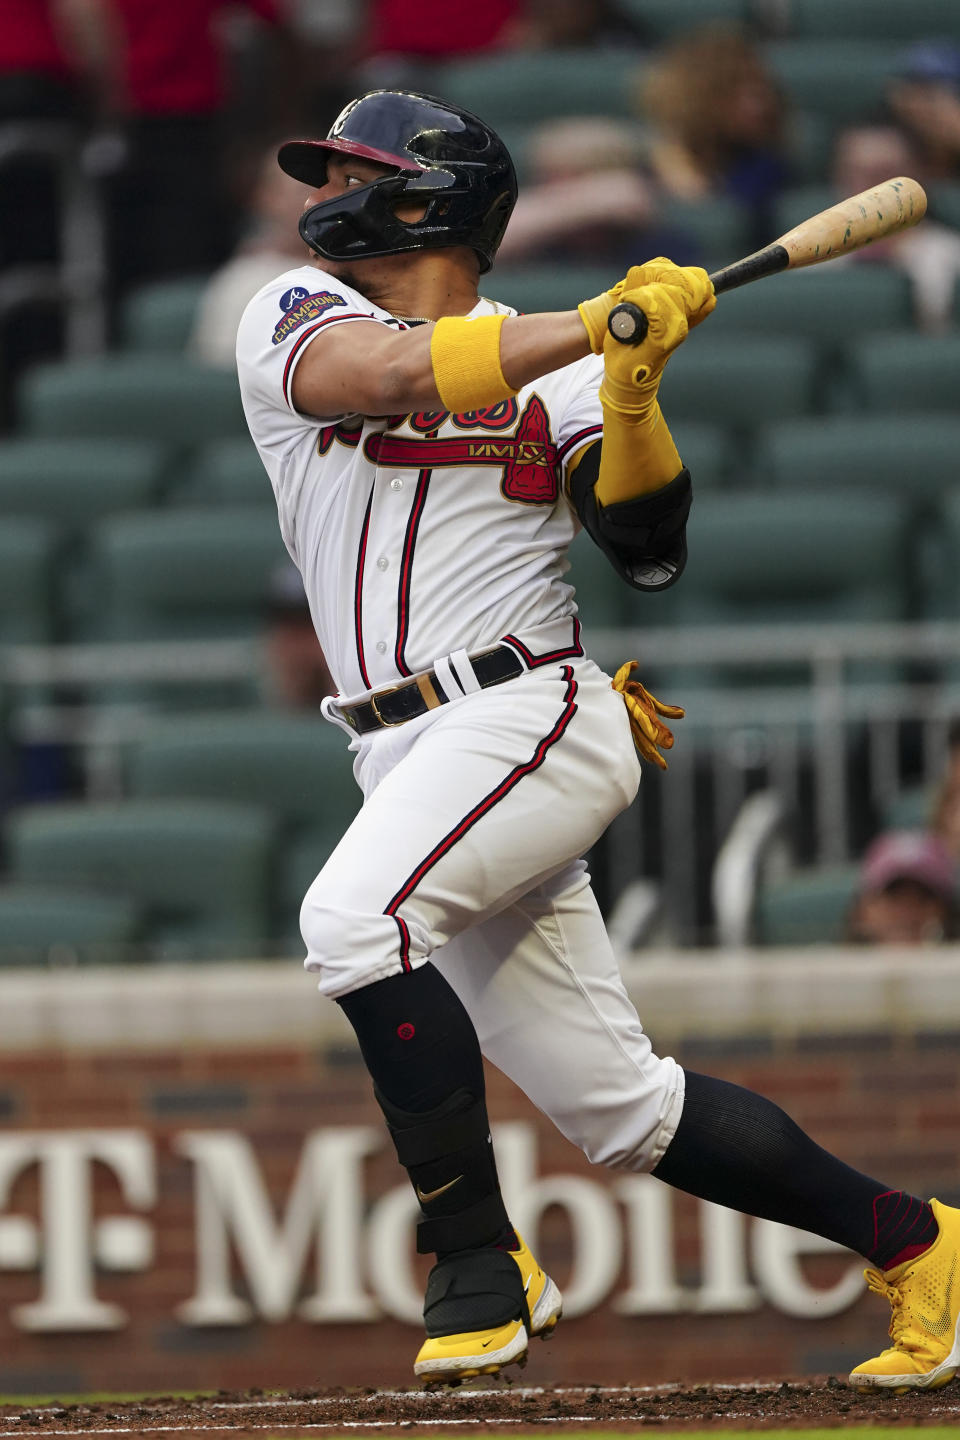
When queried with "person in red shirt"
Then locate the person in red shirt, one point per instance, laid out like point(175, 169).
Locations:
point(437, 29)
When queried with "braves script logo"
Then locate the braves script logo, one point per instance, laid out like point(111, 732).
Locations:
point(527, 458)
point(299, 306)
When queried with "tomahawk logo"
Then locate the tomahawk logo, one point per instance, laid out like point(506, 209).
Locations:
point(531, 477)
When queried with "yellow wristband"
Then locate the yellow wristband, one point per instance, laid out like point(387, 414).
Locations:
point(465, 355)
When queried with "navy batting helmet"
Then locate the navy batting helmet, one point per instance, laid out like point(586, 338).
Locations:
point(442, 155)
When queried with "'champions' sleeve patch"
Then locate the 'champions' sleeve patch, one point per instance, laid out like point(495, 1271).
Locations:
point(300, 306)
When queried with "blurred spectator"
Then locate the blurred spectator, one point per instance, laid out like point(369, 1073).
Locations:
point(435, 28)
point(925, 99)
point(907, 892)
point(576, 25)
point(589, 199)
point(297, 677)
point(719, 118)
point(404, 36)
point(929, 253)
point(166, 82)
point(271, 246)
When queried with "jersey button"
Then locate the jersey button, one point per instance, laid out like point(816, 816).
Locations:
point(396, 483)
point(382, 563)
point(381, 647)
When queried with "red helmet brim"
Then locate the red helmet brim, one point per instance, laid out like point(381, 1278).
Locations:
point(305, 160)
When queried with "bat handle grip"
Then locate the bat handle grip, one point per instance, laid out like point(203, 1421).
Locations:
point(627, 323)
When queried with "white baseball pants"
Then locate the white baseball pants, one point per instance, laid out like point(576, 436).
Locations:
point(466, 852)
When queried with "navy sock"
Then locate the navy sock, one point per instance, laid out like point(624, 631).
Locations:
point(738, 1149)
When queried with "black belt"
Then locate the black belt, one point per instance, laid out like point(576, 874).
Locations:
point(405, 702)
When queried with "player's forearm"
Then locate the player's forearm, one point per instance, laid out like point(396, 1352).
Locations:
point(533, 345)
point(415, 376)
point(457, 364)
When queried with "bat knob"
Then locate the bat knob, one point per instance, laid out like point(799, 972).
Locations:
point(627, 323)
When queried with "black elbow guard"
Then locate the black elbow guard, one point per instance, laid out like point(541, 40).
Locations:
point(644, 539)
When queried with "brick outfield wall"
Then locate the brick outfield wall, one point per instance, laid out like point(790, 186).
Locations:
point(886, 1099)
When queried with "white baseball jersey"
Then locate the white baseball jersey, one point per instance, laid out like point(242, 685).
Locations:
point(423, 539)
point(416, 535)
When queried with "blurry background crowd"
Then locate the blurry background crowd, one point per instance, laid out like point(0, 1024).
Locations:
point(168, 785)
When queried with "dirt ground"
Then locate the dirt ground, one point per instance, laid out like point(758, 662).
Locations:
point(823, 1402)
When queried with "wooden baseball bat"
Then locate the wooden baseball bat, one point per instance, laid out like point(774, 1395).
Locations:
point(849, 225)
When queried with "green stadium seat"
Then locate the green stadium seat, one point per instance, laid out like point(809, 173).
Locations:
point(898, 373)
point(40, 923)
point(300, 858)
point(806, 908)
point(942, 599)
point(827, 303)
point(28, 562)
point(666, 18)
point(707, 451)
point(185, 573)
point(844, 80)
point(297, 765)
point(910, 809)
point(832, 19)
point(74, 482)
point(133, 396)
point(779, 560)
point(799, 202)
point(198, 870)
point(224, 472)
point(603, 599)
point(524, 87)
point(943, 201)
point(552, 286)
point(913, 456)
point(160, 316)
point(808, 146)
point(744, 382)
point(718, 228)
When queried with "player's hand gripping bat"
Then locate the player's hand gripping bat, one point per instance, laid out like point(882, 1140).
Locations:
point(849, 225)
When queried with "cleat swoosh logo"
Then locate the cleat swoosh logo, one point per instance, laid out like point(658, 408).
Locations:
point(940, 1323)
point(425, 1196)
point(485, 1343)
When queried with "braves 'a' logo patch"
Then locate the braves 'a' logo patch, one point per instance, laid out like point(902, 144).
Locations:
point(531, 477)
point(299, 306)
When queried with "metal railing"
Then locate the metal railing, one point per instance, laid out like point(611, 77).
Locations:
point(78, 281)
point(835, 749)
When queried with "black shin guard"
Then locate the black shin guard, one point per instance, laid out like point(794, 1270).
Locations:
point(448, 1155)
point(422, 1053)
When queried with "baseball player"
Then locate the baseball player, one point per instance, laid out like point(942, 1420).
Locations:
point(433, 454)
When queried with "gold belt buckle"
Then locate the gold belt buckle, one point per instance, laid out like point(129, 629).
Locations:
point(390, 690)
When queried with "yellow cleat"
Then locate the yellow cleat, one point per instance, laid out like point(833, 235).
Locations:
point(925, 1324)
point(480, 1309)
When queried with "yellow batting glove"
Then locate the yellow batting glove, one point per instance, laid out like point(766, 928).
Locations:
point(631, 373)
point(594, 312)
point(650, 735)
